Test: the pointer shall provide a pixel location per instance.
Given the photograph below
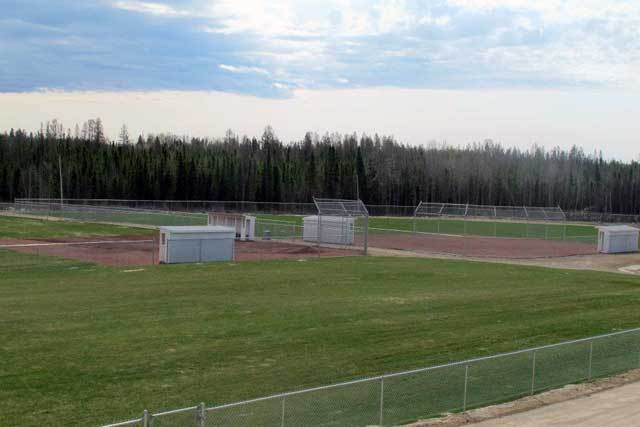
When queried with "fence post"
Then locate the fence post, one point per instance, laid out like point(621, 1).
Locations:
point(533, 373)
point(145, 418)
point(466, 380)
point(381, 401)
point(284, 398)
point(200, 414)
point(590, 358)
point(366, 234)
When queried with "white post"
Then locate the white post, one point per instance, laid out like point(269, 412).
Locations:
point(145, 418)
point(201, 414)
point(366, 234)
point(282, 412)
point(590, 358)
point(60, 171)
point(466, 380)
point(533, 373)
point(381, 401)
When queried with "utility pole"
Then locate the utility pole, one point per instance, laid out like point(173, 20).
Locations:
point(357, 188)
point(60, 171)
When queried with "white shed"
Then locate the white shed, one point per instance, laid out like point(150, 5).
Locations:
point(337, 230)
point(180, 244)
point(617, 238)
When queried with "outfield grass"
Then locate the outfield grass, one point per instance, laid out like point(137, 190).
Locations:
point(28, 228)
point(539, 230)
point(84, 345)
point(550, 231)
point(154, 218)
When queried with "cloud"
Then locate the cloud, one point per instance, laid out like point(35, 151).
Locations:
point(248, 45)
point(243, 70)
point(150, 8)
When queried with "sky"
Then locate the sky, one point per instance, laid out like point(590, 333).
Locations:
point(548, 72)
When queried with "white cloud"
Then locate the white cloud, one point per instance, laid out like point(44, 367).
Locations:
point(149, 8)
point(554, 11)
point(243, 69)
point(570, 41)
point(316, 18)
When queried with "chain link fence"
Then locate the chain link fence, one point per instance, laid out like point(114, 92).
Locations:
point(446, 235)
point(119, 215)
point(294, 208)
point(404, 397)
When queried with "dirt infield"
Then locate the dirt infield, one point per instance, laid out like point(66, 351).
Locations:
point(479, 247)
point(132, 250)
point(137, 250)
point(273, 249)
point(143, 250)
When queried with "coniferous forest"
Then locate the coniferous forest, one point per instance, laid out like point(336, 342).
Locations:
point(380, 169)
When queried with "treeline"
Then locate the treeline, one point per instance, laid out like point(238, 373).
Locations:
point(378, 169)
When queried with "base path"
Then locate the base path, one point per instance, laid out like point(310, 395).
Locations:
point(618, 407)
point(273, 249)
point(477, 246)
point(143, 250)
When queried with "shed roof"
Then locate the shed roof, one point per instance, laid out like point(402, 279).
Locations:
point(197, 229)
point(618, 228)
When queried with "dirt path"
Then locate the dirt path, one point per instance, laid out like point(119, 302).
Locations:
point(610, 402)
point(619, 263)
point(618, 407)
point(478, 246)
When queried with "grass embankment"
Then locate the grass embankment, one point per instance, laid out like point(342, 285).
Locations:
point(31, 228)
point(83, 345)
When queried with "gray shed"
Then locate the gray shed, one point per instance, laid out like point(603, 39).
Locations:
point(180, 244)
point(617, 239)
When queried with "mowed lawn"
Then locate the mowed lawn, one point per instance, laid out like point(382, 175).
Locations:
point(12, 227)
point(538, 230)
point(125, 216)
point(85, 345)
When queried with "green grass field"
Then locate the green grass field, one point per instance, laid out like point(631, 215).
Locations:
point(153, 218)
point(538, 230)
point(28, 228)
point(83, 344)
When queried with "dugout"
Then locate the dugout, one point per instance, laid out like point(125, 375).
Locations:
point(245, 225)
point(337, 222)
point(617, 239)
point(338, 230)
point(184, 244)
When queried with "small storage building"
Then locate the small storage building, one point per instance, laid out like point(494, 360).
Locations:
point(617, 239)
point(181, 244)
point(337, 230)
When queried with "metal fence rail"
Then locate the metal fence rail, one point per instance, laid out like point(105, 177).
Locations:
point(404, 397)
point(292, 208)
